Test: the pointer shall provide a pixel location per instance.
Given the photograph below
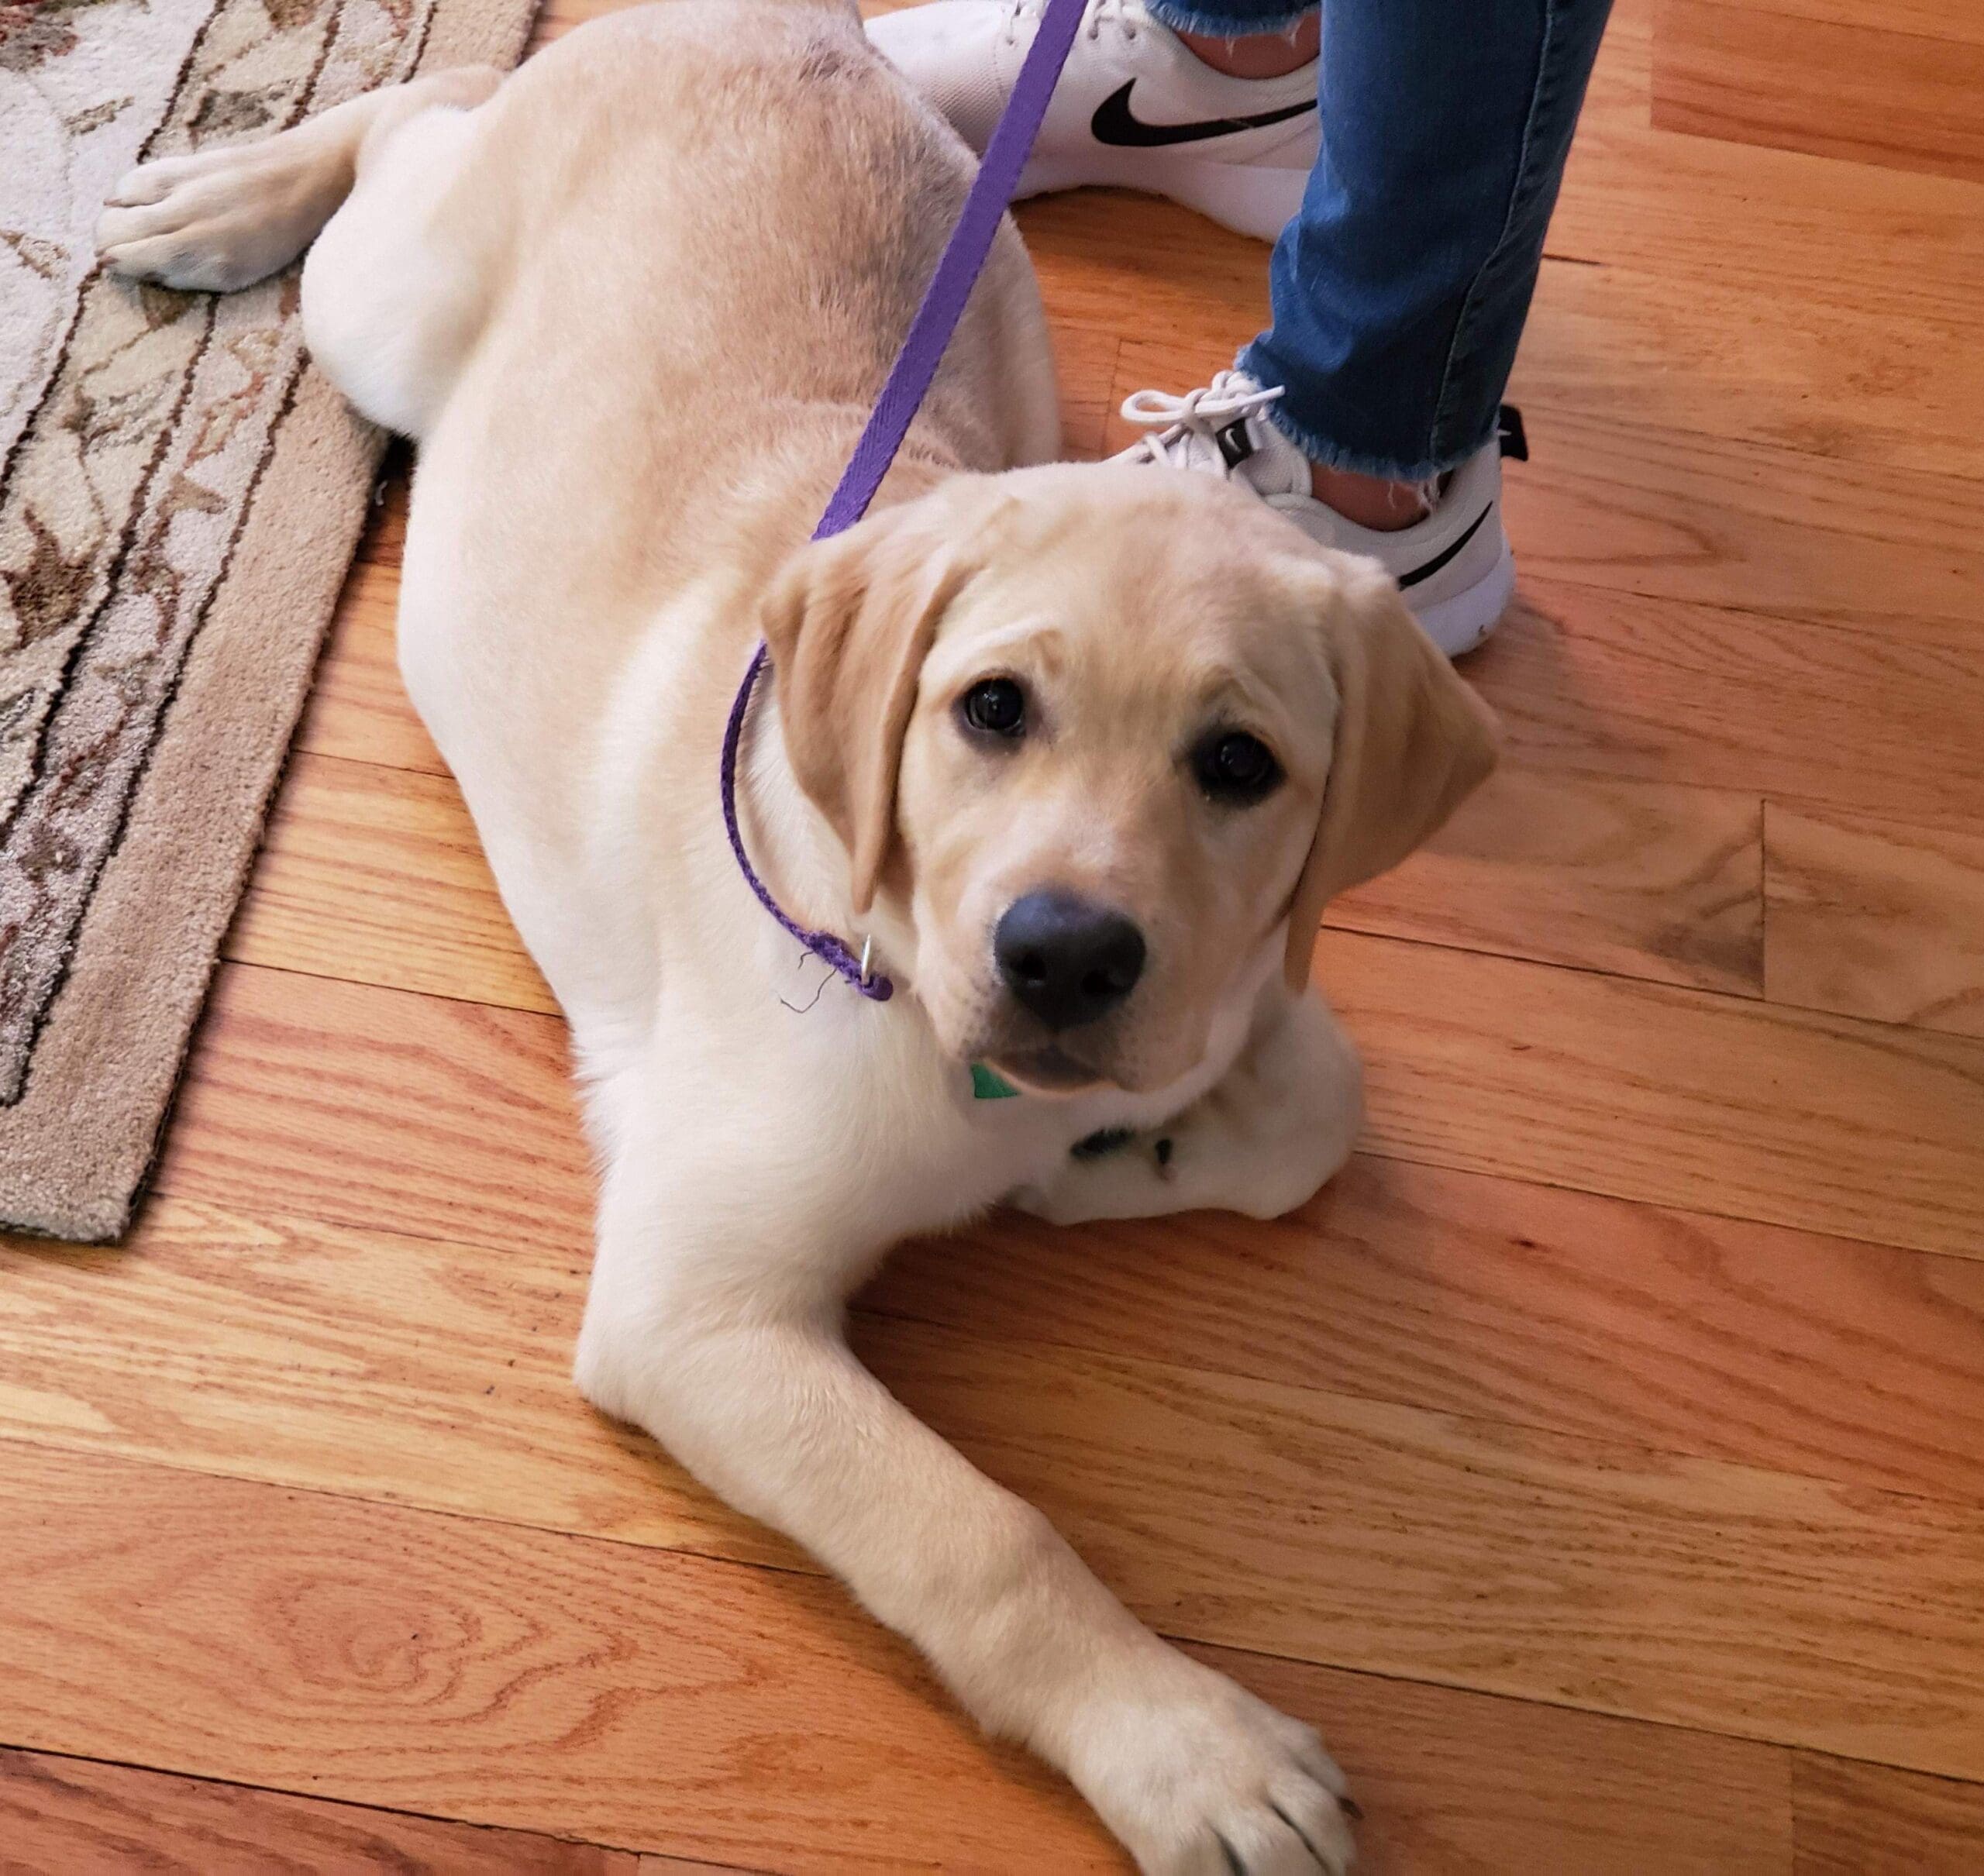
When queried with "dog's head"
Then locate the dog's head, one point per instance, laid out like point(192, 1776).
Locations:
point(1099, 738)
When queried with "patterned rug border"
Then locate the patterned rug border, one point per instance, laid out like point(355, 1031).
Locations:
point(78, 1147)
point(21, 1024)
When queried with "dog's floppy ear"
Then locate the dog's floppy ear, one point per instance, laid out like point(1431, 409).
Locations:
point(1412, 742)
point(850, 620)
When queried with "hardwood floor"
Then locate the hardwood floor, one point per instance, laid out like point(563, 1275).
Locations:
point(1597, 1462)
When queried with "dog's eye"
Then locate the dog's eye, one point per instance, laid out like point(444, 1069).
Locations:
point(1234, 766)
point(997, 706)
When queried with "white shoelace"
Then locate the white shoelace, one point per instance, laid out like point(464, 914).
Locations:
point(1187, 429)
point(1125, 15)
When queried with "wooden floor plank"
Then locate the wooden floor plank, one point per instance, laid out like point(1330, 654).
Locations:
point(436, 1374)
point(1861, 90)
point(1305, 1523)
point(1296, 1520)
point(508, 1678)
point(1635, 878)
point(377, 1108)
point(1751, 364)
point(1601, 683)
point(681, 1866)
point(1876, 918)
point(1466, 1784)
point(1947, 19)
point(1697, 209)
point(1747, 527)
point(1871, 1820)
point(1494, 1300)
point(1085, 367)
point(73, 1817)
point(375, 875)
point(356, 1105)
point(633, 1698)
point(1711, 1103)
point(358, 708)
point(407, 1370)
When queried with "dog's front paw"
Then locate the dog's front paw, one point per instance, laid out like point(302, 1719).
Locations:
point(1198, 1777)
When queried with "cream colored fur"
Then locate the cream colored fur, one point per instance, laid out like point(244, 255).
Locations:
point(633, 303)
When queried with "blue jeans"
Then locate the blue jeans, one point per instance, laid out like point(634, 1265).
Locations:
point(1399, 290)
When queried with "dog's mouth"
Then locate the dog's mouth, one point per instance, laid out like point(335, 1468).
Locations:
point(1051, 1070)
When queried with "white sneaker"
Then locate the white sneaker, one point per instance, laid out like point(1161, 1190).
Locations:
point(1454, 566)
point(1133, 109)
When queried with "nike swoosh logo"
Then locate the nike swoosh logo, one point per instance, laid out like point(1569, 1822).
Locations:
point(1114, 123)
point(1446, 553)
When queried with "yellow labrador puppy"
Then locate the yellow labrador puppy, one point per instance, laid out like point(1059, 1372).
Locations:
point(1081, 751)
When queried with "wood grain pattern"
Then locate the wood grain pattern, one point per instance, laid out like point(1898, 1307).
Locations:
point(1306, 1524)
point(1871, 1820)
point(412, 1371)
point(628, 1697)
point(72, 1817)
point(435, 1374)
point(1876, 918)
point(1951, 19)
point(1605, 684)
point(1691, 208)
point(1465, 1785)
point(375, 875)
point(1303, 1522)
point(1859, 91)
point(1637, 878)
point(1805, 375)
point(1747, 526)
point(359, 709)
point(464, 1120)
point(681, 1866)
point(1716, 1104)
point(504, 1677)
point(365, 1107)
point(1496, 1301)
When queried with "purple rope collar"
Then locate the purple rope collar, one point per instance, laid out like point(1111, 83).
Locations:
point(958, 268)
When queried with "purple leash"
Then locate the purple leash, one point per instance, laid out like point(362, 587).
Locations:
point(958, 268)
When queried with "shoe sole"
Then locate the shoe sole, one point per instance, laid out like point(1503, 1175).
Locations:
point(1248, 198)
point(1463, 620)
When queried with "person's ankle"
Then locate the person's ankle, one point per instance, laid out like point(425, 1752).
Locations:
point(1258, 55)
point(1371, 501)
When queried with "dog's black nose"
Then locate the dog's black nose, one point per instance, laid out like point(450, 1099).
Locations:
point(1067, 961)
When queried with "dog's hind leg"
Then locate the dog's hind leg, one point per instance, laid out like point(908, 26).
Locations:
point(219, 219)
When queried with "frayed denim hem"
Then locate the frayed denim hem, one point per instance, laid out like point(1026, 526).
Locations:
point(1319, 449)
point(1215, 25)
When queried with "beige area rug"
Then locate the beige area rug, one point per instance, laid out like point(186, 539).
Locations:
point(180, 494)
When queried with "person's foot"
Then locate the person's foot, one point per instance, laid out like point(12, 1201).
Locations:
point(1134, 107)
point(1453, 565)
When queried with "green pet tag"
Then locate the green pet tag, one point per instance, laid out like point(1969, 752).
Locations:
point(988, 1086)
